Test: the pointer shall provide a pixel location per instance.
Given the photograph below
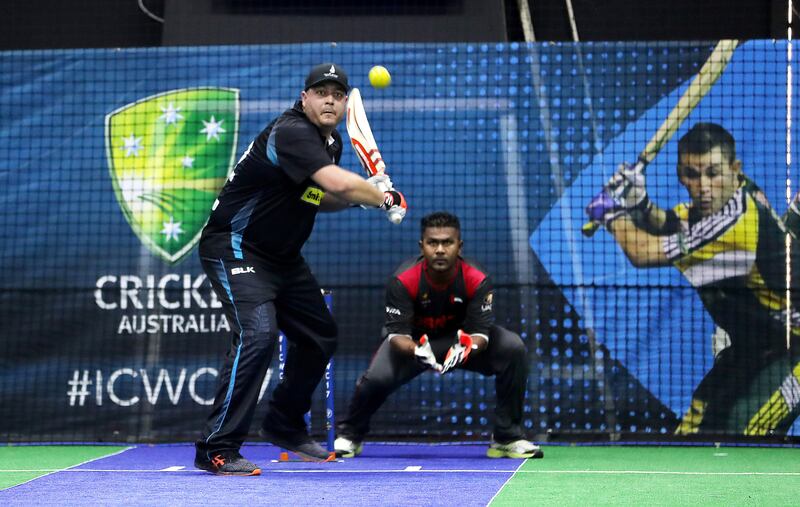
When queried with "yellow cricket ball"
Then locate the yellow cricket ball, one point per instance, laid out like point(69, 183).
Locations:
point(379, 77)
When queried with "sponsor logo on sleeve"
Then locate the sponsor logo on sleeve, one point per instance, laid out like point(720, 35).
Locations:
point(313, 195)
point(486, 306)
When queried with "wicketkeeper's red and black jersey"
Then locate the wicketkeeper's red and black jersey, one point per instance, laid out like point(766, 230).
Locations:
point(416, 306)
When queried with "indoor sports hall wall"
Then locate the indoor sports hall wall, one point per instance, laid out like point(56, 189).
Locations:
point(110, 160)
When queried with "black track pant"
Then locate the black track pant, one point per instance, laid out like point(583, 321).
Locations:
point(258, 302)
point(505, 358)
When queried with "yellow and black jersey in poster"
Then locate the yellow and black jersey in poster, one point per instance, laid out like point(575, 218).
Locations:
point(736, 260)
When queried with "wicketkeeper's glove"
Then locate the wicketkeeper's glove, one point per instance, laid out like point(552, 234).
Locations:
point(424, 354)
point(458, 353)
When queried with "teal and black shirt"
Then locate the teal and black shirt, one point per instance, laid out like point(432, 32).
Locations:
point(268, 205)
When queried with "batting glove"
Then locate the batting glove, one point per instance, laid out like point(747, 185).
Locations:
point(395, 205)
point(627, 187)
point(603, 209)
point(458, 353)
point(423, 353)
point(381, 181)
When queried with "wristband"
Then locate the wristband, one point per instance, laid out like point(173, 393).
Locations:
point(645, 206)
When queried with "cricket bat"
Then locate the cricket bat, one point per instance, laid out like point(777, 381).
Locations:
point(361, 137)
point(711, 70)
point(363, 142)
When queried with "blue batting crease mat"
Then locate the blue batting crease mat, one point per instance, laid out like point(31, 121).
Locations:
point(385, 474)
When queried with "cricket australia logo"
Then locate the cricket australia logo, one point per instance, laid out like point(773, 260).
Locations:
point(169, 155)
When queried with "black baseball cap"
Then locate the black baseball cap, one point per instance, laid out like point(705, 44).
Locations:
point(327, 72)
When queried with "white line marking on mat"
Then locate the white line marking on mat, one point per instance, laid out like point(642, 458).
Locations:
point(413, 468)
point(176, 468)
point(504, 484)
point(431, 471)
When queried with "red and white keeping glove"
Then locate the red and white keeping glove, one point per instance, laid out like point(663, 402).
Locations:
point(395, 205)
point(458, 353)
point(424, 354)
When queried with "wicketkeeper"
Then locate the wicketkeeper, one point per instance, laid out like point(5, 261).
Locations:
point(439, 316)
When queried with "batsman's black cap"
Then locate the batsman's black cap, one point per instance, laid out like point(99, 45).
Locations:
point(327, 72)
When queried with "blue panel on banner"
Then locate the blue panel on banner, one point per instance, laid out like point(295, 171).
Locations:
point(101, 300)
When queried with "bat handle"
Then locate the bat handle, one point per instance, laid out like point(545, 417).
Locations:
point(395, 216)
point(589, 228)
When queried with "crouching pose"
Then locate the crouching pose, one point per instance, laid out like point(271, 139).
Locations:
point(439, 316)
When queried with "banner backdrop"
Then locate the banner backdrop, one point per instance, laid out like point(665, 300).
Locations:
point(111, 160)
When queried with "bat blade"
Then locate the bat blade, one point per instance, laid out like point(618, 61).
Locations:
point(702, 83)
point(361, 138)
